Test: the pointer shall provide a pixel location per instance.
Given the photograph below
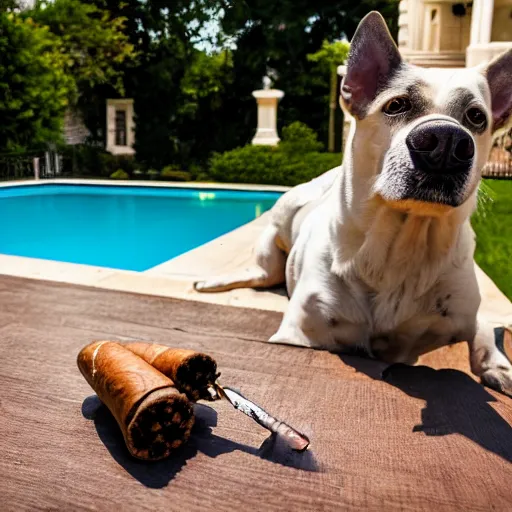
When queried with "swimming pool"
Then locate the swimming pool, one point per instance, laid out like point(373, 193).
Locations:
point(122, 227)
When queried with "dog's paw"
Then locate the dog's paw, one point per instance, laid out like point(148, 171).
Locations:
point(499, 378)
point(206, 287)
point(199, 285)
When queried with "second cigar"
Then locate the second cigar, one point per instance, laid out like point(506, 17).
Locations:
point(192, 372)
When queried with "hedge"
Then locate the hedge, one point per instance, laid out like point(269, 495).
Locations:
point(295, 160)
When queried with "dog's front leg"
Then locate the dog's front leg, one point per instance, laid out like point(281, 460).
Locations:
point(313, 319)
point(488, 359)
point(304, 323)
point(301, 324)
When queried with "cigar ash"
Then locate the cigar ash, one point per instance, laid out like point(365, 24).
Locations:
point(196, 375)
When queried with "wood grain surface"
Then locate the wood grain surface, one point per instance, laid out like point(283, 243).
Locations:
point(426, 438)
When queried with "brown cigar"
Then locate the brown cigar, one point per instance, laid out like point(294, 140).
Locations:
point(155, 418)
point(192, 372)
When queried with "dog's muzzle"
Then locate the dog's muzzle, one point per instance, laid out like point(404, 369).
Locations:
point(441, 147)
point(431, 164)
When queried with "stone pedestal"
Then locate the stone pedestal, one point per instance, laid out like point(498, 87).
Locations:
point(266, 133)
point(484, 52)
point(491, 31)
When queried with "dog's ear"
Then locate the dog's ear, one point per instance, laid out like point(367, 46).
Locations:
point(372, 60)
point(499, 77)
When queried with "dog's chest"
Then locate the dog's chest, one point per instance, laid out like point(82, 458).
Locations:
point(390, 311)
point(403, 327)
point(397, 323)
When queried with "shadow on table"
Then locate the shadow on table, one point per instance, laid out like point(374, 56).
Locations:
point(454, 402)
point(159, 474)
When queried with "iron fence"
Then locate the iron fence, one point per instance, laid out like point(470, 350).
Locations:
point(30, 165)
point(16, 167)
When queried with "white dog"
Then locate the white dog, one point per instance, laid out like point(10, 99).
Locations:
point(378, 253)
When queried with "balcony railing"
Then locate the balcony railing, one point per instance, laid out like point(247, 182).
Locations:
point(500, 161)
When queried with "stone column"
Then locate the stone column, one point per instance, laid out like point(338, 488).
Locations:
point(481, 21)
point(486, 21)
point(482, 49)
point(475, 21)
point(266, 133)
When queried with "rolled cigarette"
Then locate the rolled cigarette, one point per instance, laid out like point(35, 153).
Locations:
point(154, 417)
point(192, 372)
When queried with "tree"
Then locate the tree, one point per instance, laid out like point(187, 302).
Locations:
point(93, 42)
point(189, 103)
point(34, 88)
point(279, 36)
point(179, 92)
point(7, 5)
point(329, 57)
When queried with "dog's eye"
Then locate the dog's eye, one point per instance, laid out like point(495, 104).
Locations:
point(476, 117)
point(397, 106)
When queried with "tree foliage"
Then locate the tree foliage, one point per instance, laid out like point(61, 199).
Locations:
point(91, 39)
point(179, 92)
point(54, 55)
point(279, 36)
point(34, 88)
point(192, 89)
point(328, 58)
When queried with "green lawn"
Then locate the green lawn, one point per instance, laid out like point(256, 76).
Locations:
point(493, 226)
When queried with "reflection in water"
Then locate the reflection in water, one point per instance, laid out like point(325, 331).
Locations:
point(203, 196)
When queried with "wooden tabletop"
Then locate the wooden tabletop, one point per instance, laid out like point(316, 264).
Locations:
point(425, 438)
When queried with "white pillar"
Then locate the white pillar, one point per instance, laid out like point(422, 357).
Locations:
point(476, 14)
point(48, 170)
point(486, 21)
point(36, 168)
point(266, 133)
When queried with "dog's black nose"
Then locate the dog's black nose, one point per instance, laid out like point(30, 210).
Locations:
point(440, 146)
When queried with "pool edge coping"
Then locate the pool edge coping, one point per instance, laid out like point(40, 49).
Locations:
point(242, 187)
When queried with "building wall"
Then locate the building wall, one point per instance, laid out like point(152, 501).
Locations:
point(502, 21)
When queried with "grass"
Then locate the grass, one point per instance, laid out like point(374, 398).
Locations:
point(492, 223)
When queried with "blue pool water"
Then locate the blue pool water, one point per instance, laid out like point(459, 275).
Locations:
point(130, 228)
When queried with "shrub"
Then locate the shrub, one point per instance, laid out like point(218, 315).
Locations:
point(250, 164)
point(125, 162)
point(139, 174)
point(108, 164)
point(299, 138)
point(172, 173)
point(261, 164)
point(294, 161)
point(120, 175)
point(93, 160)
point(153, 174)
point(87, 160)
point(198, 172)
